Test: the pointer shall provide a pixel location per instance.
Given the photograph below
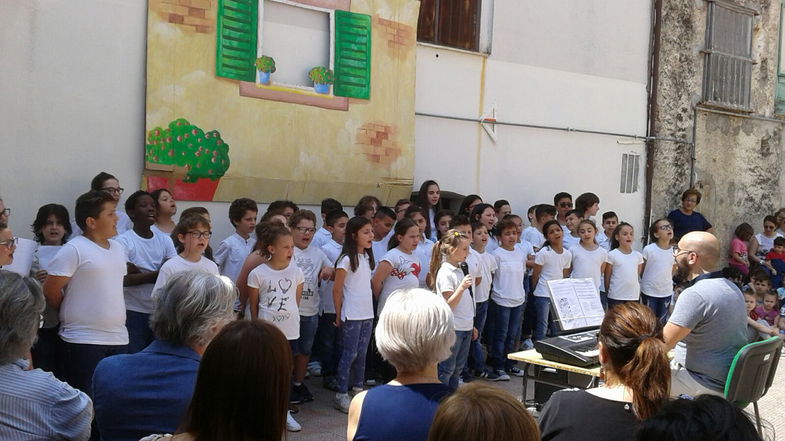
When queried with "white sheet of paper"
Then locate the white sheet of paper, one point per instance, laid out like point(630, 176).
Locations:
point(576, 302)
point(23, 257)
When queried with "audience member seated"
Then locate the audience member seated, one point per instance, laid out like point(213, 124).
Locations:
point(478, 412)
point(637, 377)
point(35, 405)
point(415, 332)
point(148, 392)
point(242, 390)
point(707, 417)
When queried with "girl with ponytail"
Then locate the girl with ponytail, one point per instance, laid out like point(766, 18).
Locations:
point(637, 376)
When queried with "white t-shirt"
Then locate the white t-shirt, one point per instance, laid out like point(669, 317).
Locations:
point(177, 265)
point(507, 288)
point(603, 240)
point(657, 279)
point(321, 237)
point(148, 255)
point(231, 254)
point(533, 236)
point(570, 240)
point(405, 274)
point(492, 244)
point(278, 296)
point(424, 251)
point(488, 266)
point(527, 248)
point(357, 294)
point(123, 224)
point(448, 279)
point(588, 264)
point(93, 308)
point(766, 244)
point(310, 261)
point(625, 284)
point(379, 249)
point(332, 250)
point(553, 266)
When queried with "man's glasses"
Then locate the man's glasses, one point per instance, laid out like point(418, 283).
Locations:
point(5, 212)
point(678, 251)
point(200, 234)
point(305, 230)
point(12, 242)
point(113, 190)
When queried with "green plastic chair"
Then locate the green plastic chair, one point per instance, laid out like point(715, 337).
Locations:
point(752, 373)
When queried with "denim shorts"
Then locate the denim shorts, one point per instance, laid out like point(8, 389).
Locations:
point(304, 344)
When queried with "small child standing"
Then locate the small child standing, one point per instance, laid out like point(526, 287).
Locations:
point(658, 268)
point(622, 274)
point(233, 250)
point(588, 257)
point(193, 232)
point(552, 262)
point(353, 300)
point(146, 251)
point(738, 248)
point(451, 251)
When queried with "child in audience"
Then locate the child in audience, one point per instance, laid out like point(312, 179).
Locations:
point(588, 257)
point(275, 289)
point(769, 311)
point(623, 271)
point(482, 292)
point(167, 208)
point(451, 283)
point(353, 300)
point(658, 268)
point(425, 247)
point(609, 223)
point(738, 248)
point(108, 184)
point(508, 297)
point(552, 262)
point(775, 261)
point(571, 237)
point(315, 267)
point(85, 284)
point(193, 232)
point(486, 215)
point(322, 235)
point(233, 250)
point(382, 224)
point(757, 327)
point(146, 251)
point(760, 282)
point(443, 220)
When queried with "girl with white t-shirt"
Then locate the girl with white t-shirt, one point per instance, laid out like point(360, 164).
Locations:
point(658, 268)
point(552, 262)
point(353, 307)
point(424, 246)
point(449, 253)
point(623, 271)
point(588, 257)
point(400, 267)
point(486, 215)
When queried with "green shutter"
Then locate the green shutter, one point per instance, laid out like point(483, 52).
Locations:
point(352, 55)
point(236, 39)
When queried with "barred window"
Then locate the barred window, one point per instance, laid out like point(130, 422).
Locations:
point(728, 56)
point(630, 166)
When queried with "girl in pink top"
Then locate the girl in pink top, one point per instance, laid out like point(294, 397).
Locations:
point(738, 248)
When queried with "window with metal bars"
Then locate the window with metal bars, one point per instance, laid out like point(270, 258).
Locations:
point(728, 56)
point(453, 23)
point(630, 166)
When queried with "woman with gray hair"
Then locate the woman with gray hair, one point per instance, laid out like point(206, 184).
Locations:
point(415, 332)
point(35, 404)
point(148, 392)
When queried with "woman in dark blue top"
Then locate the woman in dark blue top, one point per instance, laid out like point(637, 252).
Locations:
point(685, 219)
point(415, 332)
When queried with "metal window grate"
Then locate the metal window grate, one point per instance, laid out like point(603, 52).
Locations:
point(630, 166)
point(728, 56)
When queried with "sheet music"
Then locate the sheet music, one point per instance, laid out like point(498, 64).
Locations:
point(576, 302)
point(23, 257)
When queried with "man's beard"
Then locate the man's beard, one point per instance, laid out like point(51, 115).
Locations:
point(682, 271)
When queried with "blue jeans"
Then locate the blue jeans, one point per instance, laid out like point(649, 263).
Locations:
point(542, 309)
point(139, 333)
point(308, 327)
point(506, 334)
point(604, 300)
point(327, 344)
point(450, 369)
point(476, 359)
point(659, 306)
point(80, 361)
point(355, 336)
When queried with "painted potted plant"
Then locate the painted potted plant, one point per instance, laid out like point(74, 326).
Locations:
point(322, 78)
point(186, 160)
point(265, 66)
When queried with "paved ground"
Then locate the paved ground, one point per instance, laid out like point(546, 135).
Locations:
point(323, 423)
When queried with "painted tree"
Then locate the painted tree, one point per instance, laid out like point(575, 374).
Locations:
point(203, 155)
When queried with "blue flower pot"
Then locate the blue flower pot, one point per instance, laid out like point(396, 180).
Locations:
point(264, 77)
point(321, 88)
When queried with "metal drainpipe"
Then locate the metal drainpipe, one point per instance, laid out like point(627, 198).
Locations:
point(654, 77)
point(693, 157)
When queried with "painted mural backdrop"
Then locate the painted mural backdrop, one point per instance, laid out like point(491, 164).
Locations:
point(274, 99)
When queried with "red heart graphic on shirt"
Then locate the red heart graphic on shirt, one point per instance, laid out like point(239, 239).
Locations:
point(416, 269)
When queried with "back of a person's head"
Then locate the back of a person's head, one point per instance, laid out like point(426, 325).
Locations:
point(242, 388)
point(21, 303)
point(481, 412)
point(706, 418)
point(631, 339)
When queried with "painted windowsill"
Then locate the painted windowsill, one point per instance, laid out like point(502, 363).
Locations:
point(294, 95)
point(453, 49)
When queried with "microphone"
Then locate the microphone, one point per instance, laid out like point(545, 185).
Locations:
point(465, 268)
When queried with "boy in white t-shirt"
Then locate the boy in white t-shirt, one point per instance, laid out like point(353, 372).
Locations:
point(323, 235)
point(194, 233)
point(542, 213)
point(571, 237)
point(146, 251)
point(233, 250)
point(382, 224)
point(85, 284)
point(609, 222)
point(315, 267)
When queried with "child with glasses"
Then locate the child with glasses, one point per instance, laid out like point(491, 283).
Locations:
point(108, 184)
point(233, 250)
point(563, 203)
point(193, 232)
point(7, 245)
point(658, 268)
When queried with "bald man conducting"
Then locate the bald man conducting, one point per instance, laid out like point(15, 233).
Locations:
point(709, 321)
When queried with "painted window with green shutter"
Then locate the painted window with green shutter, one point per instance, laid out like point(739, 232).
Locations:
point(236, 32)
point(352, 55)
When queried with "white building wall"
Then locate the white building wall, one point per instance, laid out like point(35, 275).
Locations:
point(564, 64)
